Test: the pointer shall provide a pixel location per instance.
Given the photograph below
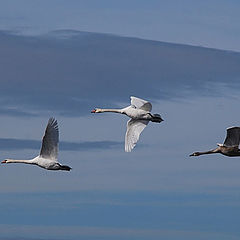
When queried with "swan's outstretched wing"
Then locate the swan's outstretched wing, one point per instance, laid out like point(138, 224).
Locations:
point(233, 137)
point(50, 140)
point(140, 103)
point(134, 129)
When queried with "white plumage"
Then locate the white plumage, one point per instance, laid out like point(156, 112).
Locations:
point(140, 113)
point(49, 151)
point(134, 129)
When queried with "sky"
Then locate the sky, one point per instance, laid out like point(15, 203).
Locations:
point(206, 23)
point(64, 58)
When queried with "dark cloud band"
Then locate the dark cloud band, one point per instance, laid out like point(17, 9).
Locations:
point(69, 72)
point(20, 144)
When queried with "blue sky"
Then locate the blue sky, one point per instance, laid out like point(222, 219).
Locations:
point(156, 191)
point(211, 23)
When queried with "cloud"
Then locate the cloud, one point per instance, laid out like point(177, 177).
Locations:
point(70, 72)
point(20, 144)
point(89, 233)
point(92, 232)
point(140, 215)
point(16, 113)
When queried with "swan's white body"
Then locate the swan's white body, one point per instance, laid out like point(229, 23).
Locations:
point(49, 151)
point(140, 113)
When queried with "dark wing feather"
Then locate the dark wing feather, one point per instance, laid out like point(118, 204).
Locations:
point(233, 137)
point(50, 140)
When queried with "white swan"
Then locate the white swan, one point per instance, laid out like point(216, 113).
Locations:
point(49, 151)
point(140, 113)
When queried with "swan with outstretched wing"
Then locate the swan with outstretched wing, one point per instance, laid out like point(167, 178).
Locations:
point(229, 147)
point(140, 113)
point(49, 152)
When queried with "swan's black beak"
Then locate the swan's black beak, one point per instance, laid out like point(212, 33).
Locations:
point(4, 161)
point(195, 154)
point(93, 111)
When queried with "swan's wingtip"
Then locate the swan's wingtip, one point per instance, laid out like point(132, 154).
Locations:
point(128, 150)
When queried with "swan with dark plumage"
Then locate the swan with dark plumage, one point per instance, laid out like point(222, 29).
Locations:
point(49, 151)
point(229, 147)
point(140, 113)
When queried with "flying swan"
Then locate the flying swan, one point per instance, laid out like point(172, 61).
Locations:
point(140, 113)
point(229, 147)
point(49, 151)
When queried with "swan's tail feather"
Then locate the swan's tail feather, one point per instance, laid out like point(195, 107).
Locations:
point(156, 118)
point(66, 168)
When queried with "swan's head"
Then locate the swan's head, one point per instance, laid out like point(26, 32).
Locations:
point(5, 161)
point(96, 110)
point(194, 154)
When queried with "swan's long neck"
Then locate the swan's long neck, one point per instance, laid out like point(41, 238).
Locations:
point(31, 161)
point(216, 150)
point(207, 152)
point(110, 110)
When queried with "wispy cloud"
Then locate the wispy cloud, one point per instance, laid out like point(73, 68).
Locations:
point(20, 144)
point(14, 112)
point(83, 232)
point(145, 214)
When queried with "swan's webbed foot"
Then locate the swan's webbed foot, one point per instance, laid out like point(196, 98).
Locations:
point(156, 118)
